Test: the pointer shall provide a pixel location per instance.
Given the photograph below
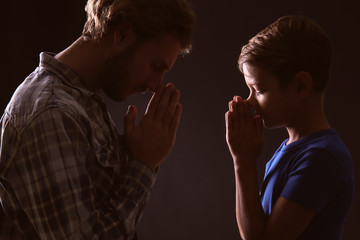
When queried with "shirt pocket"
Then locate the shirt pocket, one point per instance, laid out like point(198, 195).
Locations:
point(106, 153)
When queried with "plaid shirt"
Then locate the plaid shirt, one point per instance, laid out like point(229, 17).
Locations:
point(64, 173)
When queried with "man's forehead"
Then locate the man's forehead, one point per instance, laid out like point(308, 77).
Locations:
point(168, 51)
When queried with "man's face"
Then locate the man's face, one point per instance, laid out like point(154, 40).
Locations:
point(141, 67)
point(273, 104)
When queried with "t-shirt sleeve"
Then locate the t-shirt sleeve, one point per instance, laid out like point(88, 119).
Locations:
point(311, 179)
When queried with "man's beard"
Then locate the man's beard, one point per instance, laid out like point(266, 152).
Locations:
point(116, 74)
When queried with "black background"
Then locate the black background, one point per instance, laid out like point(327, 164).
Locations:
point(193, 197)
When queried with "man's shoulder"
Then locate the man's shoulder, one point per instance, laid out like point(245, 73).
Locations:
point(41, 91)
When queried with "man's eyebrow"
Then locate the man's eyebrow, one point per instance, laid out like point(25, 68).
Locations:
point(164, 64)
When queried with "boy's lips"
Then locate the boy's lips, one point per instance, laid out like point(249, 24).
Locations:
point(257, 113)
point(253, 111)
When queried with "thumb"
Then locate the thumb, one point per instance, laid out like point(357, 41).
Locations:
point(130, 119)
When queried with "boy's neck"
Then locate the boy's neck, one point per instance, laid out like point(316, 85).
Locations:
point(309, 119)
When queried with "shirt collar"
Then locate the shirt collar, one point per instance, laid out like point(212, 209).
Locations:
point(64, 72)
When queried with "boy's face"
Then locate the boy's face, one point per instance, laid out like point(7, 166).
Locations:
point(274, 105)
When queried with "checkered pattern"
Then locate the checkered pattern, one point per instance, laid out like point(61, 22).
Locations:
point(64, 173)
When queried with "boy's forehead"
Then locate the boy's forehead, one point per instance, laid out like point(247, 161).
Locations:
point(253, 81)
point(250, 72)
point(255, 76)
point(251, 77)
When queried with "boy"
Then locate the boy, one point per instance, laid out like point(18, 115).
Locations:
point(308, 184)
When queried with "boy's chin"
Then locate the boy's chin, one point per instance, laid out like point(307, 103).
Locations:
point(271, 125)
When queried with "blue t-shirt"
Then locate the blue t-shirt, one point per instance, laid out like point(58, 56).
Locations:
point(316, 172)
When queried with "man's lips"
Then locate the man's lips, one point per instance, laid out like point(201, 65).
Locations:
point(141, 90)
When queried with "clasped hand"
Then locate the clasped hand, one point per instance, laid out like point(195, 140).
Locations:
point(152, 140)
point(244, 132)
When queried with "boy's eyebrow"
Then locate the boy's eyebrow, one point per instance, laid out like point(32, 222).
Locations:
point(249, 81)
point(246, 75)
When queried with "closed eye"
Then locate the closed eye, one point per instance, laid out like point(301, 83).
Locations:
point(157, 67)
point(160, 66)
point(259, 91)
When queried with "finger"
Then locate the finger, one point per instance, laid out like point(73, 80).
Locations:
point(130, 119)
point(247, 114)
point(233, 108)
point(240, 111)
point(228, 120)
point(176, 119)
point(170, 111)
point(154, 101)
point(237, 98)
point(164, 102)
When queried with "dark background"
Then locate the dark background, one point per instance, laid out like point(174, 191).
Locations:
point(193, 197)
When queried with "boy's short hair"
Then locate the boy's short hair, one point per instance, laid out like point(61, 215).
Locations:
point(290, 45)
point(148, 18)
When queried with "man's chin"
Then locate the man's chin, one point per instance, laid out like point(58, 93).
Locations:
point(116, 97)
point(124, 96)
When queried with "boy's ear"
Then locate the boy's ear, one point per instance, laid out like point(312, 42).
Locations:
point(304, 84)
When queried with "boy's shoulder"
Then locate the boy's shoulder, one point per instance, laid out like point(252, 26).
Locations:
point(327, 140)
point(323, 139)
point(324, 149)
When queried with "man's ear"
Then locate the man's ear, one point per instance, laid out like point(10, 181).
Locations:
point(123, 36)
point(304, 84)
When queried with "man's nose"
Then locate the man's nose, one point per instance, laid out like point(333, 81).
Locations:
point(155, 82)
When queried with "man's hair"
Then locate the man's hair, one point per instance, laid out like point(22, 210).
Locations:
point(148, 18)
point(289, 45)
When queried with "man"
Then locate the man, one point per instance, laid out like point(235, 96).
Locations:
point(308, 186)
point(65, 173)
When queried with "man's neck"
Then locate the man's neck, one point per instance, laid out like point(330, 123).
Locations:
point(84, 57)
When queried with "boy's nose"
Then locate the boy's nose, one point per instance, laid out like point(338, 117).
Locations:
point(252, 105)
point(251, 100)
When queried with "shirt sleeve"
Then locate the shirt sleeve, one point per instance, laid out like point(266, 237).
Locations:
point(48, 181)
point(312, 179)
